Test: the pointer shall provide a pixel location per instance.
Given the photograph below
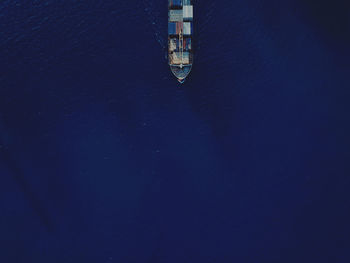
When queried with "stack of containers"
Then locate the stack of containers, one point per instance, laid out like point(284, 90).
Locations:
point(175, 15)
point(179, 27)
point(171, 28)
point(187, 44)
point(187, 11)
point(180, 22)
point(174, 28)
point(187, 28)
point(176, 3)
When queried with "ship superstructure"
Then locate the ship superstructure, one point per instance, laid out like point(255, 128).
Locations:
point(180, 29)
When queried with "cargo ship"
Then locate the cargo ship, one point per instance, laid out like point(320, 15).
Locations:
point(180, 29)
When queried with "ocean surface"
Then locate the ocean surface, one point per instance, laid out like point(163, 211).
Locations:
point(105, 157)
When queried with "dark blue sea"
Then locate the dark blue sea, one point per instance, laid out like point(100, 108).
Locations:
point(105, 157)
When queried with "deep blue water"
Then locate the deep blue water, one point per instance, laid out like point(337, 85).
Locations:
point(104, 157)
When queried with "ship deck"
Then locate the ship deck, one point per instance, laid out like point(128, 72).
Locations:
point(180, 27)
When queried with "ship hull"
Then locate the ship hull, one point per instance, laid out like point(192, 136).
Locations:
point(180, 29)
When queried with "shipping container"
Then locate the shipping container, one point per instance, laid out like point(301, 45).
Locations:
point(187, 44)
point(175, 3)
point(185, 57)
point(187, 28)
point(179, 27)
point(175, 15)
point(172, 28)
point(188, 12)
